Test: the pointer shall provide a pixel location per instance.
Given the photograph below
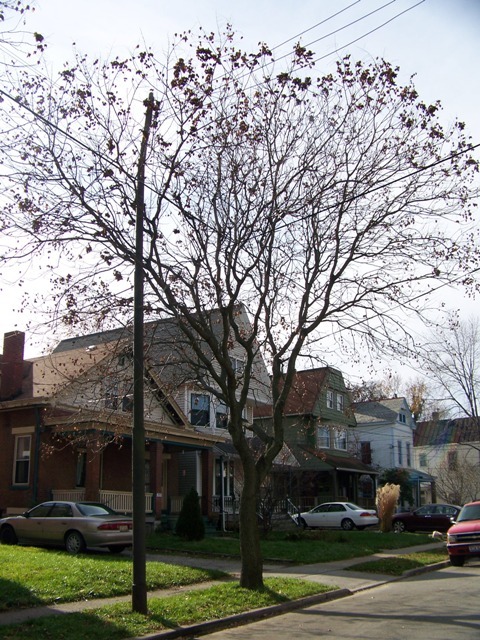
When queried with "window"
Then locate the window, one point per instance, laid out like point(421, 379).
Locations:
point(402, 417)
point(340, 402)
point(221, 416)
point(329, 399)
point(341, 439)
point(238, 365)
point(366, 452)
point(323, 437)
point(409, 454)
point(200, 410)
point(422, 459)
point(452, 460)
point(81, 469)
point(21, 469)
point(400, 452)
point(225, 467)
point(111, 393)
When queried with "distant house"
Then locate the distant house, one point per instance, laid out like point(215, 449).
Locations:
point(449, 449)
point(385, 439)
point(316, 464)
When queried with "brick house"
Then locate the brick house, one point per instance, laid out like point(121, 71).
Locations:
point(65, 432)
point(66, 425)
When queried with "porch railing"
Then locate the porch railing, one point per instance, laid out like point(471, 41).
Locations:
point(122, 501)
point(70, 495)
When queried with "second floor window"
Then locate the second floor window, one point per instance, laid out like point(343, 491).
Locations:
point(323, 438)
point(409, 454)
point(200, 409)
point(221, 416)
point(400, 452)
point(452, 460)
point(422, 459)
point(366, 452)
point(341, 439)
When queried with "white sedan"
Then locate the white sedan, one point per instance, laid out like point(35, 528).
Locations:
point(345, 515)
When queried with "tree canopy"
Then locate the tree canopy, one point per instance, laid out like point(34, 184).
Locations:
point(325, 206)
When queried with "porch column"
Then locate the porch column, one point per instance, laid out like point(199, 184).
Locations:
point(156, 477)
point(93, 471)
point(208, 471)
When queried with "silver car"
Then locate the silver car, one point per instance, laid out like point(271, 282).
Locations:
point(75, 525)
point(345, 515)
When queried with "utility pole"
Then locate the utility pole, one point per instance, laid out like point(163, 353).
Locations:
point(139, 585)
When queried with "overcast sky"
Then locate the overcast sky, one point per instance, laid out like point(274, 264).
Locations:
point(437, 40)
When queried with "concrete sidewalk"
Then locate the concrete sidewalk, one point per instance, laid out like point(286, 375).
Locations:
point(330, 573)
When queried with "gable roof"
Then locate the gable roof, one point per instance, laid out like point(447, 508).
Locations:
point(303, 398)
point(443, 432)
point(379, 411)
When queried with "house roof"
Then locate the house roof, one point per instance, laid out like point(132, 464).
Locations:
point(442, 432)
point(309, 459)
point(378, 411)
point(304, 393)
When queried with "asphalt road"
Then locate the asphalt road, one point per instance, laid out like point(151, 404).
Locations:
point(441, 605)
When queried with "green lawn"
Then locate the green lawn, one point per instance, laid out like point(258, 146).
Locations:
point(117, 621)
point(297, 546)
point(398, 565)
point(32, 577)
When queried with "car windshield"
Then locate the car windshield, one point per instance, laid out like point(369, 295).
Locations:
point(469, 512)
point(91, 509)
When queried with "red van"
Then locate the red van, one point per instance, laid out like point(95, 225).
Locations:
point(463, 538)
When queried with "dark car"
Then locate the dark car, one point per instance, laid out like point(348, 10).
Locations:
point(429, 517)
point(463, 538)
point(75, 525)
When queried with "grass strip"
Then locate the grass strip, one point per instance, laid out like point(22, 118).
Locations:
point(296, 546)
point(115, 622)
point(32, 577)
point(399, 564)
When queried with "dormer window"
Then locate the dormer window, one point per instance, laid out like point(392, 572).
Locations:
point(340, 402)
point(402, 417)
point(238, 365)
point(329, 399)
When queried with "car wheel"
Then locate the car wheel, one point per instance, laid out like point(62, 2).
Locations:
point(74, 542)
point(347, 524)
point(398, 526)
point(457, 561)
point(8, 535)
point(116, 548)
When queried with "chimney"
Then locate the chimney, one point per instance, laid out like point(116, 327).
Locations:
point(12, 365)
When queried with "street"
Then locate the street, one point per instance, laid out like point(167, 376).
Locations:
point(440, 605)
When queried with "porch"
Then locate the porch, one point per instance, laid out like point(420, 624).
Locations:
point(121, 501)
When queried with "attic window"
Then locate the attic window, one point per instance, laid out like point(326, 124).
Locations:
point(329, 399)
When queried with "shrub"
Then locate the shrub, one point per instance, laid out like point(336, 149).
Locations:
point(386, 502)
point(190, 525)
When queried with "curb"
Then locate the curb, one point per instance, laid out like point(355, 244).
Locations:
point(257, 615)
point(203, 628)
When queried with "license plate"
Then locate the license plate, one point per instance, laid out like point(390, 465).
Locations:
point(123, 527)
point(474, 548)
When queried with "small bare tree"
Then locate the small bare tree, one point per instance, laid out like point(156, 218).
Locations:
point(314, 205)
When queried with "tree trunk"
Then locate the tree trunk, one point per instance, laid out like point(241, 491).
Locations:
point(252, 561)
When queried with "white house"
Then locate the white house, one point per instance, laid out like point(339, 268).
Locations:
point(384, 438)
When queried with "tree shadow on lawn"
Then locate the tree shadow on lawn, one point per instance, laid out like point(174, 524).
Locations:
point(14, 595)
